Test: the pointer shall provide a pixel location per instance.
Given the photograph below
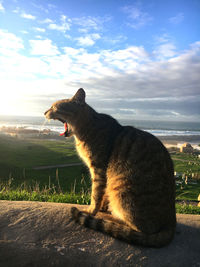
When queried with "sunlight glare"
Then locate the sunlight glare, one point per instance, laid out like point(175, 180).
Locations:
point(12, 103)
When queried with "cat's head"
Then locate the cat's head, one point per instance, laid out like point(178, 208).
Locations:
point(66, 110)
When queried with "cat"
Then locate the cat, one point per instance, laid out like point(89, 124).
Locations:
point(131, 171)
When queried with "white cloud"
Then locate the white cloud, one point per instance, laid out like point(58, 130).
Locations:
point(91, 23)
point(63, 26)
point(160, 78)
point(164, 38)
point(136, 17)
point(132, 52)
point(195, 45)
point(82, 30)
point(16, 10)
point(54, 26)
point(85, 41)
point(38, 37)
point(126, 59)
point(177, 19)
point(28, 16)
point(9, 43)
point(164, 47)
point(166, 50)
point(43, 47)
point(2, 9)
point(40, 7)
point(152, 88)
point(73, 52)
point(39, 29)
point(24, 32)
point(46, 21)
point(115, 39)
point(64, 18)
point(88, 40)
point(129, 81)
point(87, 22)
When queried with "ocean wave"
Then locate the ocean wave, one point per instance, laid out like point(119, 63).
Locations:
point(157, 132)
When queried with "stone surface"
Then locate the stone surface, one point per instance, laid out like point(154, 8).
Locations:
point(43, 234)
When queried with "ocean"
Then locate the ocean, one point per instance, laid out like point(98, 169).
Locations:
point(157, 128)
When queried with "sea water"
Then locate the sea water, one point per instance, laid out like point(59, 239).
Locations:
point(158, 128)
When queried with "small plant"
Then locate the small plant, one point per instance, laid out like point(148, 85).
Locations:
point(187, 209)
point(50, 193)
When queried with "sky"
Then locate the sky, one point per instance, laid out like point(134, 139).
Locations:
point(135, 59)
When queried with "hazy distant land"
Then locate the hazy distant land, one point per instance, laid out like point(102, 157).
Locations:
point(23, 132)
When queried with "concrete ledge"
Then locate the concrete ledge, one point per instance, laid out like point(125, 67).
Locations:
point(42, 234)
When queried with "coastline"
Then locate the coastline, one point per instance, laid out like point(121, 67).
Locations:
point(167, 140)
point(178, 140)
point(175, 139)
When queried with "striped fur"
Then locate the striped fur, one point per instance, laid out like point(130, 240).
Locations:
point(122, 231)
point(131, 172)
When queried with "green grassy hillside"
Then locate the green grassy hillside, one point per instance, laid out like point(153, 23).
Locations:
point(19, 157)
point(20, 181)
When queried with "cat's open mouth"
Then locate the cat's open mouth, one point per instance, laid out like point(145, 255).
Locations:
point(50, 115)
point(65, 133)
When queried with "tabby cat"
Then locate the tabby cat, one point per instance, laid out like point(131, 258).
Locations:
point(131, 171)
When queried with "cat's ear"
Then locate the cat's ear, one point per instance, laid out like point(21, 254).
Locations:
point(79, 97)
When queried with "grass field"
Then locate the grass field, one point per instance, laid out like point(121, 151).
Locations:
point(188, 192)
point(19, 181)
point(186, 163)
point(19, 157)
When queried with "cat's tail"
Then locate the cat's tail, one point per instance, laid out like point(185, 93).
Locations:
point(122, 231)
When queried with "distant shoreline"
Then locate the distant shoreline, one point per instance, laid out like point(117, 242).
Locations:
point(165, 139)
point(175, 139)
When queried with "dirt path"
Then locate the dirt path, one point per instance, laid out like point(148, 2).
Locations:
point(57, 166)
